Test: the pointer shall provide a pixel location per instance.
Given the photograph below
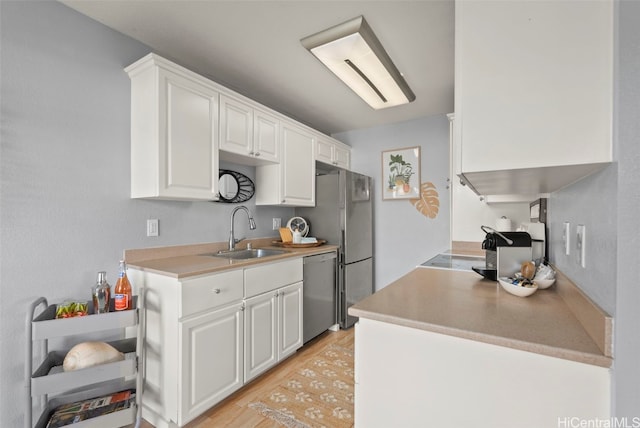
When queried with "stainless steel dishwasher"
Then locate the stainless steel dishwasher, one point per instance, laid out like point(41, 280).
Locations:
point(319, 294)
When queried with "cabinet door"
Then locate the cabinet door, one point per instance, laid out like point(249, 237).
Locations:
point(266, 136)
point(324, 151)
point(188, 127)
point(528, 92)
point(342, 157)
point(290, 319)
point(298, 166)
point(261, 350)
point(332, 153)
point(236, 126)
point(211, 360)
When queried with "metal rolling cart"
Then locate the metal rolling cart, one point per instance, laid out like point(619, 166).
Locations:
point(55, 387)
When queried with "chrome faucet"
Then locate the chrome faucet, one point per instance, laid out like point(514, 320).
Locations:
point(252, 225)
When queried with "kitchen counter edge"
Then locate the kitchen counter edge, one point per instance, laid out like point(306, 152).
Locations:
point(580, 344)
point(185, 261)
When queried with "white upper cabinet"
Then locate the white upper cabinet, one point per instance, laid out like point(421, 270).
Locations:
point(333, 152)
point(174, 132)
point(248, 132)
point(292, 181)
point(534, 93)
point(266, 136)
point(236, 126)
point(183, 124)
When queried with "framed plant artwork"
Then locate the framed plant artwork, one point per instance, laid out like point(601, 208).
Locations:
point(401, 173)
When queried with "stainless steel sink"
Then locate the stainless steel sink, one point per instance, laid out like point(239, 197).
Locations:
point(254, 253)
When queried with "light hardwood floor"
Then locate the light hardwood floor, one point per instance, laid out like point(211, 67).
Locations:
point(233, 412)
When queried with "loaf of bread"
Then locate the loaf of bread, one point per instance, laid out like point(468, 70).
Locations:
point(89, 354)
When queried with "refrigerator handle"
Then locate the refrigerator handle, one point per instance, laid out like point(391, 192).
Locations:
point(341, 258)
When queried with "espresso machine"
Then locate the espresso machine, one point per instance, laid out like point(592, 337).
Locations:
point(504, 253)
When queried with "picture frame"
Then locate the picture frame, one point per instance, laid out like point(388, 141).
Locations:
point(401, 173)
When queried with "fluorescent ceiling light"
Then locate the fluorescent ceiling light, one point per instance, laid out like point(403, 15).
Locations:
point(353, 53)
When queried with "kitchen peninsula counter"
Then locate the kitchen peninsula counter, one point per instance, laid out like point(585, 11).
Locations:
point(558, 322)
point(190, 260)
point(449, 348)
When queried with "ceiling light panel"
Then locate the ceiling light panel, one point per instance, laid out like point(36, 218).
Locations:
point(353, 53)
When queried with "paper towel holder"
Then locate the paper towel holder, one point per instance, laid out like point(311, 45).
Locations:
point(504, 224)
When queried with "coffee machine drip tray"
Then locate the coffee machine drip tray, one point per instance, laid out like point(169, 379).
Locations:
point(453, 262)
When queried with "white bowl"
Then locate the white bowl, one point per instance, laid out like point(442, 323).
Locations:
point(517, 290)
point(544, 283)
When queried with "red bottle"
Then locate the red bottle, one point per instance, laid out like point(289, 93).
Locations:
point(122, 297)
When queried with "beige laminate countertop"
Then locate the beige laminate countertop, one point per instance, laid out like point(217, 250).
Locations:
point(191, 260)
point(463, 304)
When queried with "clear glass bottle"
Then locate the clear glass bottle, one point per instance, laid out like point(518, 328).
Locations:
point(123, 299)
point(101, 294)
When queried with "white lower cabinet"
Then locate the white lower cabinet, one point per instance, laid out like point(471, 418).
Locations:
point(260, 335)
point(273, 328)
point(290, 319)
point(436, 380)
point(206, 336)
point(212, 359)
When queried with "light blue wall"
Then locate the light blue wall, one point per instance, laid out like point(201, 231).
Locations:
point(64, 173)
point(403, 236)
point(592, 202)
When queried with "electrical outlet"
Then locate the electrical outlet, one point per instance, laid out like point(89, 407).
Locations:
point(152, 227)
point(277, 222)
point(580, 244)
point(566, 233)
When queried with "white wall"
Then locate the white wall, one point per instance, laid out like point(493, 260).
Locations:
point(64, 173)
point(469, 212)
point(403, 237)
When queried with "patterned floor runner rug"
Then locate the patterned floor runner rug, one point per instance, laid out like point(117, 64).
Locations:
point(318, 394)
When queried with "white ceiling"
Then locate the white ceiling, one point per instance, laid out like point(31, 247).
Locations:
point(254, 48)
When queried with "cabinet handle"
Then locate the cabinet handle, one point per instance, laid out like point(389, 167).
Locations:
point(251, 153)
point(242, 307)
point(257, 154)
point(276, 295)
point(284, 200)
point(216, 290)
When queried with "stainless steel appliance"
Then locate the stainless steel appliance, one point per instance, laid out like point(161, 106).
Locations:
point(538, 232)
point(319, 294)
point(505, 253)
point(343, 216)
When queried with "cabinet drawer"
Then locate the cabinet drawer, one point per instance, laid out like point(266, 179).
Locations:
point(208, 292)
point(261, 279)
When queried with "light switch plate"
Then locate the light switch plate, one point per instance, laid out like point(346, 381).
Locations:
point(152, 227)
point(277, 223)
point(580, 244)
point(566, 234)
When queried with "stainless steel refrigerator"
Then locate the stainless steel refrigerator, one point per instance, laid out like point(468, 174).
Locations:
point(343, 216)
